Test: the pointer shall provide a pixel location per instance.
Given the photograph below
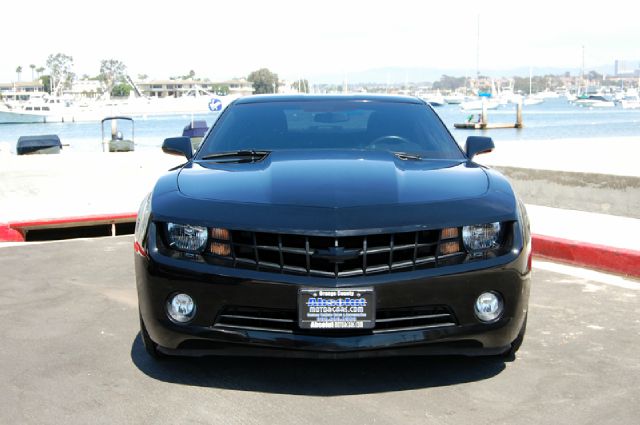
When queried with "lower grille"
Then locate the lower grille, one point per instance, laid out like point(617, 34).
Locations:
point(387, 320)
point(413, 319)
point(257, 319)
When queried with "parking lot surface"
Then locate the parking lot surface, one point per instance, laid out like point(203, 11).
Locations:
point(70, 352)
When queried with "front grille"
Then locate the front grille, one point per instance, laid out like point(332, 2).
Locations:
point(334, 257)
point(387, 320)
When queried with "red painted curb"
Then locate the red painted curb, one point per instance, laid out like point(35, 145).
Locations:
point(73, 221)
point(7, 234)
point(617, 260)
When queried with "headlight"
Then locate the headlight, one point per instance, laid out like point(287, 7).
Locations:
point(481, 237)
point(186, 237)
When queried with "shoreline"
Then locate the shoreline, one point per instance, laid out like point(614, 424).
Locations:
point(601, 155)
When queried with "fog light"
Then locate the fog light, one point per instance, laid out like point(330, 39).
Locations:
point(181, 308)
point(488, 307)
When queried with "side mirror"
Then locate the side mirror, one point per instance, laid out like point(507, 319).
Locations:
point(178, 146)
point(478, 144)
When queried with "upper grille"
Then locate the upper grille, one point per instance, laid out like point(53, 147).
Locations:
point(335, 257)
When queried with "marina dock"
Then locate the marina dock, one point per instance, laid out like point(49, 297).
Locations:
point(483, 122)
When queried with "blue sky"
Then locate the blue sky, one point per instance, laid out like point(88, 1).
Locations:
point(225, 39)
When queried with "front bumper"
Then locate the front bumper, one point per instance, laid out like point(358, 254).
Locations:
point(216, 288)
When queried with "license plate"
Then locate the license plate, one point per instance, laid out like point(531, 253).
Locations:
point(336, 308)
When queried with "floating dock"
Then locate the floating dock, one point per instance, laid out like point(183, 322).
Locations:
point(483, 123)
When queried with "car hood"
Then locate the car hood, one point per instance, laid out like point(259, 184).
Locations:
point(333, 179)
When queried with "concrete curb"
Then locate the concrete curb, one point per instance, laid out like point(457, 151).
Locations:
point(616, 260)
point(15, 231)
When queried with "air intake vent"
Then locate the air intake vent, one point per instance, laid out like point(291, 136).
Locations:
point(387, 320)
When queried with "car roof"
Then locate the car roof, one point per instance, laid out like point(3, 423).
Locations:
point(270, 98)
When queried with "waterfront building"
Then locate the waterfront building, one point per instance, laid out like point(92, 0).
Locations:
point(20, 90)
point(623, 68)
point(178, 88)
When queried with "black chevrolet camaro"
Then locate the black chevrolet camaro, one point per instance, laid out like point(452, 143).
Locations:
point(330, 227)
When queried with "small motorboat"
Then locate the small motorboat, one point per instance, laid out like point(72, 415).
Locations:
point(44, 144)
point(117, 143)
point(195, 130)
point(594, 101)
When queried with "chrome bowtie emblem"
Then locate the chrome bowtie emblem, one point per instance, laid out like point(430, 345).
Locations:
point(337, 254)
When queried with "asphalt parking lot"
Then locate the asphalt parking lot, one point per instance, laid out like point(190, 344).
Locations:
point(71, 353)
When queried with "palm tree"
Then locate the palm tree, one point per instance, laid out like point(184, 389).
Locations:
point(19, 71)
point(40, 70)
point(33, 67)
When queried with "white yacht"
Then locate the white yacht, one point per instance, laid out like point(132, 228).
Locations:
point(594, 101)
point(39, 107)
point(455, 98)
point(44, 108)
point(476, 104)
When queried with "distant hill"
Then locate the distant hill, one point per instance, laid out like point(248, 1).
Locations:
point(398, 75)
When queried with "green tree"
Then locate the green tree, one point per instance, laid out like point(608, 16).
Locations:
point(18, 72)
point(46, 83)
point(302, 86)
point(264, 81)
point(112, 72)
point(221, 89)
point(189, 76)
point(142, 77)
point(121, 90)
point(39, 71)
point(450, 83)
point(61, 66)
point(594, 76)
point(33, 67)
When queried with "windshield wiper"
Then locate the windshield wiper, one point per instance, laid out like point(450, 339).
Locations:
point(237, 156)
point(407, 156)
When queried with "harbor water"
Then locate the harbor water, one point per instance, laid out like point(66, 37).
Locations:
point(553, 119)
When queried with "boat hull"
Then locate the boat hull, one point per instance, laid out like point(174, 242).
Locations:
point(19, 118)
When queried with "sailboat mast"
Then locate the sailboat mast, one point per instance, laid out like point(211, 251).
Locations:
point(478, 51)
point(582, 81)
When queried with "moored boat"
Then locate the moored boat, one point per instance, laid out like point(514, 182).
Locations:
point(41, 144)
point(476, 105)
point(117, 143)
point(594, 101)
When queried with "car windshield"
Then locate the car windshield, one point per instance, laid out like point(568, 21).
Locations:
point(404, 127)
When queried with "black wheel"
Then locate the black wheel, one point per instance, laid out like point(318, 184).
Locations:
point(515, 345)
point(149, 346)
